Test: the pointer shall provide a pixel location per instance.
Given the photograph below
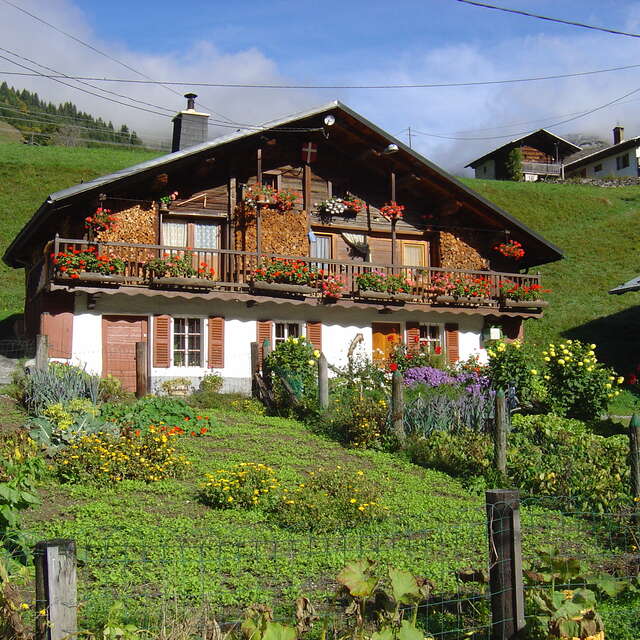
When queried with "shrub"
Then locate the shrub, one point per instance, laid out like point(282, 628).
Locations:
point(110, 389)
point(360, 421)
point(577, 384)
point(104, 458)
point(242, 486)
point(330, 500)
point(405, 358)
point(211, 383)
point(175, 386)
point(59, 383)
point(510, 364)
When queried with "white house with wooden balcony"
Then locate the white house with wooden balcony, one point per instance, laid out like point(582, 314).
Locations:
point(543, 155)
point(319, 225)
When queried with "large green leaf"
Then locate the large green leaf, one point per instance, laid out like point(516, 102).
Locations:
point(277, 631)
point(409, 632)
point(358, 578)
point(404, 586)
point(385, 633)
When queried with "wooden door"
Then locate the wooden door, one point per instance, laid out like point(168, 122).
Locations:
point(119, 337)
point(386, 335)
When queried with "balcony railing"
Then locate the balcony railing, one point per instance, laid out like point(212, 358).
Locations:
point(542, 168)
point(234, 271)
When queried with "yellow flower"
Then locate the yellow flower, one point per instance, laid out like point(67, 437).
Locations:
point(560, 361)
point(607, 386)
point(42, 612)
point(547, 359)
point(534, 372)
point(353, 501)
point(316, 353)
point(294, 340)
point(311, 363)
point(230, 499)
point(24, 605)
point(592, 346)
point(620, 380)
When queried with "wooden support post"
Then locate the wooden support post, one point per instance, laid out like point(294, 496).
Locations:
point(634, 456)
point(397, 406)
point(142, 381)
point(258, 233)
point(505, 564)
point(255, 367)
point(393, 241)
point(500, 434)
point(259, 168)
point(323, 382)
point(56, 591)
point(42, 352)
point(393, 186)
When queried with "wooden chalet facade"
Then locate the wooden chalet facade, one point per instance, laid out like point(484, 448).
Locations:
point(194, 325)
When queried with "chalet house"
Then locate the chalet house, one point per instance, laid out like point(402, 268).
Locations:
point(543, 154)
point(621, 159)
point(286, 230)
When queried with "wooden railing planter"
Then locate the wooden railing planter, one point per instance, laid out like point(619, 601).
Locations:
point(525, 304)
point(90, 276)
point(234, 271)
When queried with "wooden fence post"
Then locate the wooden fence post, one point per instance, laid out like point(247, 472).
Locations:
point(142, 382)
point(500, 433)
point(42, 352)
point(56, 590)
point(397, 406)
point(505, 564)
point(634, 455)
point(255, 365)
point(323, 382)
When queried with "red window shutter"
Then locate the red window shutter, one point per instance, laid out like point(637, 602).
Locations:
point(453, 350)
point(413, 337)
point(216, 342)
point(58, 327)
point(263, 332)
point(314, 334)
point(162, 341)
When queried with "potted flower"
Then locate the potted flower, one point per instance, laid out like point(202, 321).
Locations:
point(378, 285)
point(88, 265)
point(165, 201)
point(286, 276)
point(285, 200)
point(177, 269)
point(510, 249)
point(331, 287)
point(332, 207)
point(101, 220)
point(354, 205)
point(392, 211)
point(521, 295)
point(256, 194)
point(462, 289)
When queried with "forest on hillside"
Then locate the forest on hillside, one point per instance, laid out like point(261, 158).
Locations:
point(45, 123)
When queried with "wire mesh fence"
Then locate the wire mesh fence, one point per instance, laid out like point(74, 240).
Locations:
point(17, 348)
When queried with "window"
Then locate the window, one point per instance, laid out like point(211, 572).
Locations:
point(622, 161)
point(284, 330)
point(597, 168)
point(187, 342)
point(199, 235)
point(322, 247)
point(271, 180)
point(414, 254)
point(431, 338)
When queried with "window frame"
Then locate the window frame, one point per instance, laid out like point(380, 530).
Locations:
point(275, 341)
point(185, 350)
point(439, 342)
point(191, 222)
point(423, 245)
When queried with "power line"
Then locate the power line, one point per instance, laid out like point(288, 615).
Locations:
point(571, 23)
point(102, 53)
point(141, 147)
point(425, 85)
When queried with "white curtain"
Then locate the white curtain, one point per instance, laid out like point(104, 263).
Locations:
point(174, 234)
point(205, 236)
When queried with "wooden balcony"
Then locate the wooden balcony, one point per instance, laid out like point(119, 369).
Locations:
point(234, 272)
point(542, 168)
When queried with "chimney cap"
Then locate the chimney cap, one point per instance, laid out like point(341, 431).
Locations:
point(191, 100)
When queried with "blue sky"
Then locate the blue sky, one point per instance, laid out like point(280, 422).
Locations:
point(347, 42)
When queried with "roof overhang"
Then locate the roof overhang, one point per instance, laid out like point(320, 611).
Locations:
point(603, 153)
point(627, 287)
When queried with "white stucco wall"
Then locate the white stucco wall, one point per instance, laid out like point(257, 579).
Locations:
point(609, 166)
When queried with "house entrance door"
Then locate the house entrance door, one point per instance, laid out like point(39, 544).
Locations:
point(119, 337)
point(386, 335)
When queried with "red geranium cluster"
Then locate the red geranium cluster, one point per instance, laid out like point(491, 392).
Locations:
point(392, 210)
point(101, 220)
point(72, 262)
point(286, 272)
point(514, 291)
point(353, 204)
point(332, 287)
point(462, 285)
point(510, 249)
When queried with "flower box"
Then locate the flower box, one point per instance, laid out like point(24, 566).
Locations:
point(193, 283)
point(369, 294)
point(525, 304)
point(283, 287)
point(475, 300)
point(91, 276)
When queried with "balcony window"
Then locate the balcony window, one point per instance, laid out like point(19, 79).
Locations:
point(187, 342)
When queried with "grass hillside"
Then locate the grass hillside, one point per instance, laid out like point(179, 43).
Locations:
point(9, 133)
point(28, 174)
point(592, 225)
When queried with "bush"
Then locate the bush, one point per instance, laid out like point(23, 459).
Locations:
point(226, 402)
point(59, 383)
point(577, 384)
point(511, 364)
point(242, 486)
point(211, 383)
point(110, 389)
point(104, 458)
point(329, 500)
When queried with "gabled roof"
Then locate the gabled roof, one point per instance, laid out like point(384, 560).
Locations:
point(545, 251)
point(631, 285)
point(613, 150)
point(565, 147)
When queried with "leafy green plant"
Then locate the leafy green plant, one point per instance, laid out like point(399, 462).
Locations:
point(226, 401)
point(111, 389)
point(211, 383)
point(383, 282)
point(178, 265)
point(511, 364)
point(175, 386)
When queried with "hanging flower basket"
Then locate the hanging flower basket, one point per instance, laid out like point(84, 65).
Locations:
point(392, 211)
point(101, 220)
point(510, 249)
point(165, 201)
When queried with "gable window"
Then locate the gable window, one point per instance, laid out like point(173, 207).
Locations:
point(622, 161)
point(431, 338)
point(597, 168)
point(284, 330)
point(187, 342)
point(272, 180)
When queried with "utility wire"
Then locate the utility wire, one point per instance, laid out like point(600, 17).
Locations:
point(106, 55)
point(571, 23)
point(425, 85)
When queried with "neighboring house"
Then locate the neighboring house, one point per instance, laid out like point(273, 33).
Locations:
point(622, 159)
point(196, 326)
point(543, 154)
point(627, 287)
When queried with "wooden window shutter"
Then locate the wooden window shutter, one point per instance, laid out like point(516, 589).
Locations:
point(216, 342)
point(162, 341)
point(314, 334)
point(263, 332)
point(58, 327)
point(413, 337)
point(453, 349)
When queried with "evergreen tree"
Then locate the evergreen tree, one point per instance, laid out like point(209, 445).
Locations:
point(513, 165)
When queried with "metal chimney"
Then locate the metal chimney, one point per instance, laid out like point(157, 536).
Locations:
point(618, 135)
point(190, 127)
